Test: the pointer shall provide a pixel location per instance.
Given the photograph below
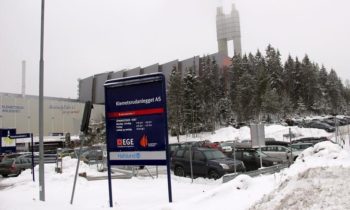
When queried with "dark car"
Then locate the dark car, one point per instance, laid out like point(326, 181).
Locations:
point(313, 140)
point(14, 166)
point(301, 146)
point(281, 143)
point(320, 125)
point(206, 162)
point(251, 158)
point(173, 147)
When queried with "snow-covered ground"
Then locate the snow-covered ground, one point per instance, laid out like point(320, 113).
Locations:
point(317, 180)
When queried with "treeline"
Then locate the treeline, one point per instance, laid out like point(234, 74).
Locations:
point(254, 88)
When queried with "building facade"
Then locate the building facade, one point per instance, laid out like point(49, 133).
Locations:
point(60, 115)
point(92, 89)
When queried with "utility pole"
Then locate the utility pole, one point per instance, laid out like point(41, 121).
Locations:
point(41, 108)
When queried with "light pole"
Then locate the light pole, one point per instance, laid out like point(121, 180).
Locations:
point(41, 107)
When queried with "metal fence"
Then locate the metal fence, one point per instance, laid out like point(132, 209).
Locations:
point(266, 170)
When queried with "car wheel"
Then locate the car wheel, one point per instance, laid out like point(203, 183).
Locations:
point(5, 175)
point(213, 174)
point(179, 171)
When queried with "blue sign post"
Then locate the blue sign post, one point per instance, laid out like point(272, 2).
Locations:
point(136, 123)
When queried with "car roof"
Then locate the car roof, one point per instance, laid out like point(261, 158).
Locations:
point(199, 148)
point(301, 143)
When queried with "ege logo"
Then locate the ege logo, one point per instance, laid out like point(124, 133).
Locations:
point(125, 142)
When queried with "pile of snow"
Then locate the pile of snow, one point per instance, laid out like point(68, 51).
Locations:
point(315, 188)
point(317, 180)
point(324, 149)
point(271, 131)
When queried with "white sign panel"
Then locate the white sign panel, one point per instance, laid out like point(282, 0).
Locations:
point(257, 134)
point(7, 142)
point(145, 155)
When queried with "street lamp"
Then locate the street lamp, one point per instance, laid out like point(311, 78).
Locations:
point(41, 108)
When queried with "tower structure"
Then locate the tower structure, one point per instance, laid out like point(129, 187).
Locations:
point(228, 28)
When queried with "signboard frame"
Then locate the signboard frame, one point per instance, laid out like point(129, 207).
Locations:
point(136, 123)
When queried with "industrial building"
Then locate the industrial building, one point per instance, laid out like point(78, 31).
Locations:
point(227, 27)
point(61, 115)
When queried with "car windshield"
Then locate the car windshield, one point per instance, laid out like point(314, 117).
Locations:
point(226, 144)
point(8, 161)
point(214, 154)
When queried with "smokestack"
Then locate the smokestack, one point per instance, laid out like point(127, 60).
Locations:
point(23, 78)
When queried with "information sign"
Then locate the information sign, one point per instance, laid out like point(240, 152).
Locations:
point(136, 120)
point(136, 123)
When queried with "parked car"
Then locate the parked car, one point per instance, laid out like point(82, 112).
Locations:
point(92, 156)
point(226, 148)
point(206, 162)
point(14, 155)
point(204, 143)
point(320, 125)
point(301, 146)
point(280, 152)
point(14, 166)
point(251, 158)
point(64, 152)
point(76, 150)
point(173, 147)
point(313, 140)
point(282, 143)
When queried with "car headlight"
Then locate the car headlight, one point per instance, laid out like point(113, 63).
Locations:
point(274, 163)
point(224, 166)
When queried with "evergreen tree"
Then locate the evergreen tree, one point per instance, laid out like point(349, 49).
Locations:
point(308, 83)
point(324, 102)
point(270, 102)
point(334, 88)
point(289, 81)
point(262, 79)
point(236, 71)
point(274, 68)
point(192, 103)
point(176, 103)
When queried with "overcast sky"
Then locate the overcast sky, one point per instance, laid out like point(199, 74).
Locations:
point(87, 37)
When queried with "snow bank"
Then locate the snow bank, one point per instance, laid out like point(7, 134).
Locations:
point(313, 181)
point(315, 188)
point(271, 131)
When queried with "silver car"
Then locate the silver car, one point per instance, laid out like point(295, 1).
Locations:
point(281, 152)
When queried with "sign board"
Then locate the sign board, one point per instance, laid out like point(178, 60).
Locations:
point(7, 144)
point(136, 123)
point(20, 136)
point(136, 120)
point(257, 134)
